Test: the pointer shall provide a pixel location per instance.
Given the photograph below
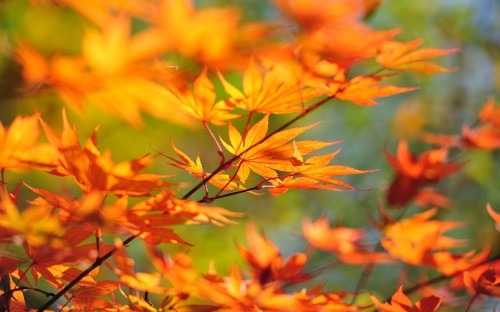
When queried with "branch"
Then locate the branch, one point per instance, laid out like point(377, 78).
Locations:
point(96, 264)
point(236, 157)
point(100, 260)
point(445, 277)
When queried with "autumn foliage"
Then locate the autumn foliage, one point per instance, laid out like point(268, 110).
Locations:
point(210, 68)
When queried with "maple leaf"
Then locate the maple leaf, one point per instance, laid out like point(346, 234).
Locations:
point(92, 170)
point(185, 30)
point(401, 56)
point(429, 197)
point(102, 13)
point(415, 238)
point(479, 279)
point(490, 114)
point(18, 148)
point(271, 94)
point(179, 211)
point(264, 157)
point(487, 283)
point(267, 263)
point(200, 103)
point(124, 270)
point(401, 303)
point(313, 15)
point(345, 242)
point(10, 299)
point(362, 90)
point(414, 172)
point(449, 263)
point(308, 69)
point(494, 215)
point(34, 224)
point(335, 29)
point(112, 72)
point(196, 169)
point(484, 136)
point(85, 296)
point(315, 174)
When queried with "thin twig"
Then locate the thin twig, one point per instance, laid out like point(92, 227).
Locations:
point(219, 148)
point(96, 264)
point(100, 260)
point(445, 277)
point(368, 269)
point(236, 157)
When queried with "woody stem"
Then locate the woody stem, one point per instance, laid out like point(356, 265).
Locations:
point(100, 260)
point(236, 157)
point(96, 264)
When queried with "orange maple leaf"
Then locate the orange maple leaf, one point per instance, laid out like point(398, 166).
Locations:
point(264, 157)
point(428, 197)
point(200, 103)
point(487, 283)
point(347, 243)
point(308, 69)
point(113, 72)
point(267, 263)
point(166, 209)
point(401, 56)
point(196, 169)
point(92, 170)
point(362, 90)
point(335, 30)
point(414, 172)
point(494, 215)
point(484, 136)
point(420, 241)
point(34, 225)
point(449, 263)
point(185, 30)
point(12, 301)
point(313, 15)
point(401, 303)
point(19, 148)
point(271, 94)
point(315, 174)
point(86, 296)
point(103, 12)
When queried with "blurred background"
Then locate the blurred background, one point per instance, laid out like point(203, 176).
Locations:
point(442, 104)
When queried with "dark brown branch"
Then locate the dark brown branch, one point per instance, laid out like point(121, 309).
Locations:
point(236, 157)
point(100, 260)
point(96, 264)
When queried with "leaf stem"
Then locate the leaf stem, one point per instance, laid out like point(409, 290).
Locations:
point(236, 157)
point(368, 269)
point(219, 148)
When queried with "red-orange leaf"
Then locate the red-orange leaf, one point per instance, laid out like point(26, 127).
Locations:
point(414, 239)
point(270, 94)
point(265, 157)
point(315, 173)
point(413, 172)
point(347, 243)
point(401, 303)
point(495, 215)
point(200, 103)
point(362, 90)
point(403, 56)
point(196, 169)
point(95, 171)
point(18, 148)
